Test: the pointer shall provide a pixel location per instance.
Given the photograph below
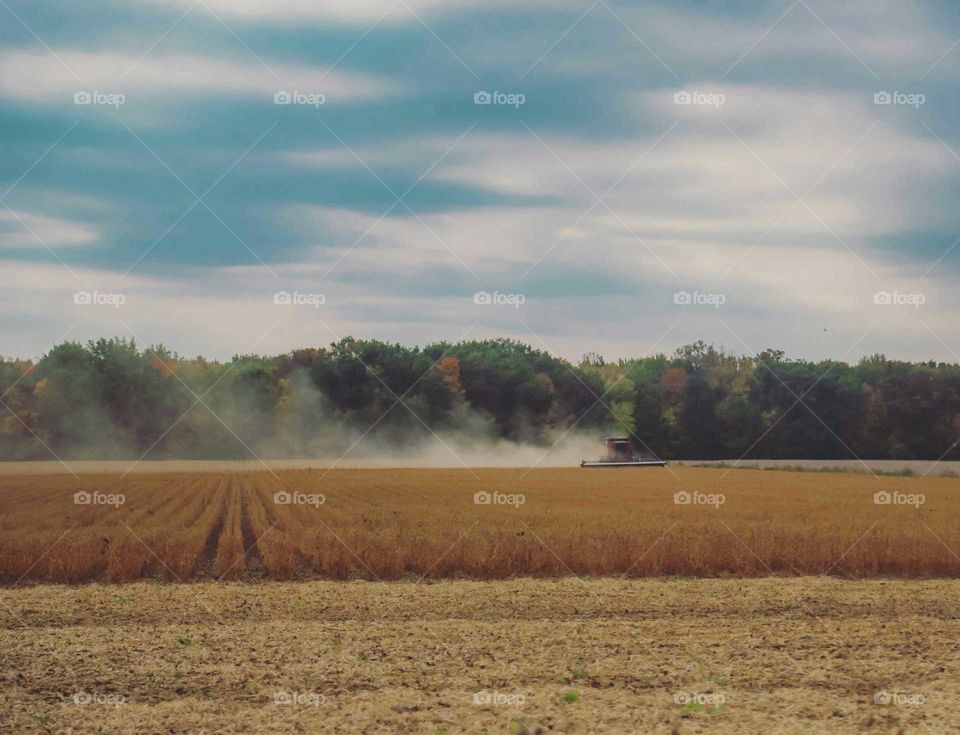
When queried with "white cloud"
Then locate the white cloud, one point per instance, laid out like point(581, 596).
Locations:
point(39, 77)
point(722, 174)
point(890, 37)
point(213, 312)
point(219, 312)
point(292, 12)
point(21, 229)
point(488, 239)
point(880, 30)
point(699, 200)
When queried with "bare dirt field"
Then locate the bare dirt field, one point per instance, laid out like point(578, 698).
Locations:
point(475, 523)
point(797, 655)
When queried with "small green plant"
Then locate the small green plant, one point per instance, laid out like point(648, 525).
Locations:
point(184, 641)
point(694, 706)
point(713, 678)
point(570, 697)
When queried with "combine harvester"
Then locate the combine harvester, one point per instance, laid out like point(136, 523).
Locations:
point(621, 452)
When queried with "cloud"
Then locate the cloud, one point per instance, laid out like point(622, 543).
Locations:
point(709, 207)
point(22, 230)
point(724, 173)
point(860, 38)
point(356, 12)
point(221, 311)
point(36, 76)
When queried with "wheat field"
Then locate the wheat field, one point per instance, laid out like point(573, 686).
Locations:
point(475, 523)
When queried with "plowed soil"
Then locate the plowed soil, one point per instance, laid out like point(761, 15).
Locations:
point(798, 655)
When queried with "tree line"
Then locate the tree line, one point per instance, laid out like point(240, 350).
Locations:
point(111, 399)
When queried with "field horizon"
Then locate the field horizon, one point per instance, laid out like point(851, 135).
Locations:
point(548, 457)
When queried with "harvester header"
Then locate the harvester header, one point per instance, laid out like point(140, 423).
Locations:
point(622, 452)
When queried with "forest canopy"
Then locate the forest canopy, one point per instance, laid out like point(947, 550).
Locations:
point(111, 399)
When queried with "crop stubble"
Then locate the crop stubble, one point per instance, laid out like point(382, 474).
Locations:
point(787, 655)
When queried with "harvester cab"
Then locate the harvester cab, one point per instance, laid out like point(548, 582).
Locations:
point(622, 452)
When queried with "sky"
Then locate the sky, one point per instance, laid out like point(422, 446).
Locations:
point(238, 176)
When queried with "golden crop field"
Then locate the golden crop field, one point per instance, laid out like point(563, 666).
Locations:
point(484, 523)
